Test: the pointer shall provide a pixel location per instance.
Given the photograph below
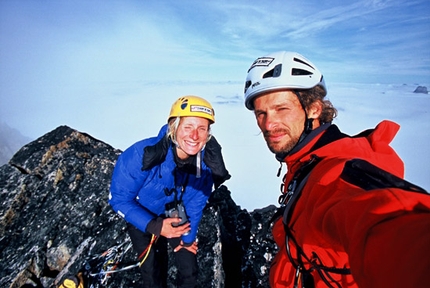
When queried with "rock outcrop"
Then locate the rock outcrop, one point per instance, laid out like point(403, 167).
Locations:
point(421, 89)
point(55, 216)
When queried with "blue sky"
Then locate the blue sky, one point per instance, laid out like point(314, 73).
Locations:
point(113, 68)
point(56, 54)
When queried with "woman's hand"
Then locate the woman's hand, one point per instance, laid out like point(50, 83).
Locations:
point(192, 248)
point(168, 231)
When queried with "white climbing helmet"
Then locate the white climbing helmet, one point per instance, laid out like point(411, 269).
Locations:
point(280, 70)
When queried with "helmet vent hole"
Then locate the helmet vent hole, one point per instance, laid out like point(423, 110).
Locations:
point(300, 72)
point(303, 62)
point(275, 72)
point(247, 84)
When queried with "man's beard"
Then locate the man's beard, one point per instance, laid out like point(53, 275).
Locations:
point(285, 148)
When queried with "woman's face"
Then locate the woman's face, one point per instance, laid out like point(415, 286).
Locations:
point(191, 136)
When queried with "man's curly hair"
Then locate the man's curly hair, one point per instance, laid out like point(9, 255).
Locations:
point(317, 94)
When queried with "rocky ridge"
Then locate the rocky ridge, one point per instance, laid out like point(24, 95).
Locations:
point(55, 215)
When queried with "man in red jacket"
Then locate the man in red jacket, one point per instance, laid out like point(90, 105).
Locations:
point(347, 217)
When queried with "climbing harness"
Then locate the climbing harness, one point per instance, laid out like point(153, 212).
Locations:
point(303, 276)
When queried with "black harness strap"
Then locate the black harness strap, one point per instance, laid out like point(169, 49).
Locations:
point(294, 188)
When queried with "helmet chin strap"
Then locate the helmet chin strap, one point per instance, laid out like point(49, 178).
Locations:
point(308, 121)
point(307, 130)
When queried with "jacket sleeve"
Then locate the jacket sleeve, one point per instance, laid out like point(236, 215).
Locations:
point(396, 253)
point(388, 234)
point(127, 179)
point(195, 205)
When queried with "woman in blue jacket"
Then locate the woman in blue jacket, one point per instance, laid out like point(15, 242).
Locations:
point(160, 186)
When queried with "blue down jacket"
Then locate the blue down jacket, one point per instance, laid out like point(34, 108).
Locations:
point(139, 196)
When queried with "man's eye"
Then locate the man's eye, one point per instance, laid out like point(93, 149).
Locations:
point(282, 108)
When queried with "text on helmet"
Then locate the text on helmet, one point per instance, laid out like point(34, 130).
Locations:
point(262, 61)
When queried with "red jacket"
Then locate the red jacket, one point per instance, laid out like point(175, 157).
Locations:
point(382, 234)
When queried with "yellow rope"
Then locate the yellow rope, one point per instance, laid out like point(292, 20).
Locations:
point(149, 250)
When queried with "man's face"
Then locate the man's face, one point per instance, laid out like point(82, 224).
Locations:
point(281, 119)
point(191, 135)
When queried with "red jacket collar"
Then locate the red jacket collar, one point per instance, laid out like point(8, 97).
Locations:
point(329, 141)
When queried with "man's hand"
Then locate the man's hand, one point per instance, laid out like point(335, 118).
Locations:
point(168, 231)
point(192, 248)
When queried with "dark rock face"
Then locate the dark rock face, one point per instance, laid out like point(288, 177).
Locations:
point(55, 216)
point(421, 89)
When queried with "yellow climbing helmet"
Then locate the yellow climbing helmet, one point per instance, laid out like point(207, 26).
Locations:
point(192, 106)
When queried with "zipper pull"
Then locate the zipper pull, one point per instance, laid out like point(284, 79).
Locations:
point(279, 170)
